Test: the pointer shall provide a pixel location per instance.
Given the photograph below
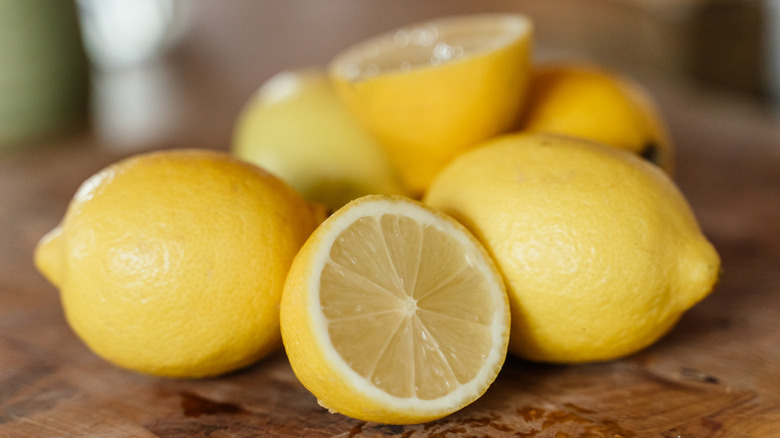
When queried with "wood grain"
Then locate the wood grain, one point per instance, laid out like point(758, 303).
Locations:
point(715, 375)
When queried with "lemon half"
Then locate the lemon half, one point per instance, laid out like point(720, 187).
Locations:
point(394, 313)
point(430, 90)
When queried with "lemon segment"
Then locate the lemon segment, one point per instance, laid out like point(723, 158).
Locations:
point(596, 104)
point(431, 90)
point(172, 263)
point(600, 251)
point(394, 313)
point(296, 128)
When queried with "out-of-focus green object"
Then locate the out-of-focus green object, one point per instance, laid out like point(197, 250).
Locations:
point(44, 72)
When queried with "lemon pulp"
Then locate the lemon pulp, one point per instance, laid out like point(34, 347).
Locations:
point(431, 44)
point(396, 320)
point(393, 312)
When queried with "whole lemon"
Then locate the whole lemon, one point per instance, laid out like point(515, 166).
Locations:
point(597, 104)
point(172, 263)
point(296, 128)
point(600, 251)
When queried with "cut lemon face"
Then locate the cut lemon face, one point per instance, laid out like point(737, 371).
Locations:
point(431, 90)
point(394, 313)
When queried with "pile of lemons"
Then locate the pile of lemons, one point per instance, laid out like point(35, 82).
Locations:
point(399, 221)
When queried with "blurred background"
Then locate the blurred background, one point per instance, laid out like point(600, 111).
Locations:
point(145, 73)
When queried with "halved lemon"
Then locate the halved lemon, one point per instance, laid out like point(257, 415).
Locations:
point(392, 312)
point(430, 90)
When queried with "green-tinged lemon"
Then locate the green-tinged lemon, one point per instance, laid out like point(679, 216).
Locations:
point(296, 128)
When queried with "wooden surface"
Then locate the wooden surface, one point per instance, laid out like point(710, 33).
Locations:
point(717, 374)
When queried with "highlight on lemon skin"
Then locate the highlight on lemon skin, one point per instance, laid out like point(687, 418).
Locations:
point(599, 249)
point(431, 90)
point(594, 103)
point(394, 313)
point(172, 263)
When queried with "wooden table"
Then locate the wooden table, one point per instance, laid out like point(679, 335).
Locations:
point(717, 374)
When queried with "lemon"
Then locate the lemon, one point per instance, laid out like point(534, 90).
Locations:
point(296, 128)
point(430, 90)
point(394, 313)
point(172, 263)
point(600, 251)
point(600, 105)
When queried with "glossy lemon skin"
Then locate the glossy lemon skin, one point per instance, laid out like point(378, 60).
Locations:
point(600, 251)
point(296, 128)
point(172, 263)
